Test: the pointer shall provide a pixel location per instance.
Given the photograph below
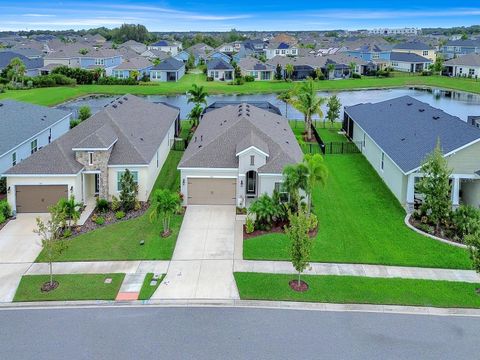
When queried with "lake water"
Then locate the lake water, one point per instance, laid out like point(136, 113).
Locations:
point(461, 104)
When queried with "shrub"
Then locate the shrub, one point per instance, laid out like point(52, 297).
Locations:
point(119, 215)
point(356, 76)
point(2, 218)
point(129, 191)
point(137, 205)
point(466, 220)
point(102, 205)
point(67, 233)
point(249, 78)
point(312, 222)
point(265, 211)
point(209, 78)
point(426, 73)
point(115, 204)
point(5, 209)
point(99, 220)
point(81, 76)
point(74, 122)
point(110, 80)
point(249, 225)
point(238, 81)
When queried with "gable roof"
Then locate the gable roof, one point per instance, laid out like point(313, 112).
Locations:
point(413, 45)
point(134, 63)
point(20, 121)
point(407, 129)
point(73, 51)
point(466, 43)
point(169, 64)
point(466, 60)
point(30, 64)
point(251, 63)
point(224, 132)
point(138, 125)
point(408, 57)
point(218, 64)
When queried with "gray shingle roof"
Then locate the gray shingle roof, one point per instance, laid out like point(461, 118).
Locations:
point(250, 63)
point(408, 57)
point(465, 60)
point(20, 121)
point(30, 64)
point(407, 129)
point(413, 45)
point(139, 125)
point(169, 64)
point(218, 64)
point(222, 132)
point(135, 63)
point(101, 138)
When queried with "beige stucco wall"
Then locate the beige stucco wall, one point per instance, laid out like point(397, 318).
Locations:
point(465, 161)
point(431, 53)
point(470, 192)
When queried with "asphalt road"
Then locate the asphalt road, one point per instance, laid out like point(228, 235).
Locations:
point(232, 333)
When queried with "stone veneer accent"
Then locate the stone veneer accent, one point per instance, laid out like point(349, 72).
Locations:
point(100, 163)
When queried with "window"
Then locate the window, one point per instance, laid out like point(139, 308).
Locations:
point(14, 159)
point(277, 52)
point(252, 160)
point(99, 61)
point(471, 72)
point(284, 196)
point(90, 158)
point(375, 56)
point(383, 161)
point(294, 51)
point(283, 52)
point(33, 146)
point(119, 177)
point(425, 52)
point(216, 74)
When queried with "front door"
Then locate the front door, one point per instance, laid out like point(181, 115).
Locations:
point(251, 183)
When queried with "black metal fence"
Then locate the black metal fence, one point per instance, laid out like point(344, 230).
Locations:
point(339, 147)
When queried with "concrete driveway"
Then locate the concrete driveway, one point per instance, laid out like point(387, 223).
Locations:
point(202, 263)
point(19, 247)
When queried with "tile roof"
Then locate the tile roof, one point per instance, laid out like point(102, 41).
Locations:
point(407, 129)
point(139, 125)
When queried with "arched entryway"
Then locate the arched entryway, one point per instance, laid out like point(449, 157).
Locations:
point(251, 184)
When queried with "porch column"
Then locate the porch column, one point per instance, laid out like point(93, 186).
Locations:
point(410, 193)
point(455, 192)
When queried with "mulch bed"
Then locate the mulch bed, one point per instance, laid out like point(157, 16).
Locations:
point(109, 217)
point(299, 287)
point(277, 228)
point(416, 223)
point(49, 286)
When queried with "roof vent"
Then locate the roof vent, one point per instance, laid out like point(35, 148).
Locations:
point(409, 104)
point(1, 104)
point(199, 146)
point(287, 142)
point(125, 98)
point(421, 110)
point(436, 117)
point(120, 101)
point(114, 106)
point(141, 139)
point(402, 139)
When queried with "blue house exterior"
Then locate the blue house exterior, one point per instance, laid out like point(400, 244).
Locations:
point(370, 53)
point(220, 55)
point(457, 48)
point(183, 56)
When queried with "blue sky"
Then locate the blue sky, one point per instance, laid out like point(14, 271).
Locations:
point(241, 14)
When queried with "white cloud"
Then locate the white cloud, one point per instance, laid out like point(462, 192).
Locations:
point(38, 15)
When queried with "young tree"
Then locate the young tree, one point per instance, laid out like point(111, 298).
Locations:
point(301, 243)
point(70, 209)
point(50, 233)
point(437, 66)
point(333, 111)
point(190, 62)
point(435, 187)
point(195, 113)
point(278, 72)
point(352, 67)
point(165, 204)
point(84, 113)
point(289, 71)
point(317, 174)
point(197, 95)
point(330, 69)
point(16, 70)
point(286, 97)
point(83, 51)
point(134, 74)
point(128, 190)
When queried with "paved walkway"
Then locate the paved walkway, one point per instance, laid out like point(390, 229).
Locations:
point(285, 267)
point(202, 263)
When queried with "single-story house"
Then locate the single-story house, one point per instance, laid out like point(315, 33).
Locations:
point(170, 47)
point(220, 70)
point(134, 45)
point(169, 69)
point(253, 67)
point(396, 135)
point(219, 55)
point(200, 52)
point(139, 64)
point(182, 56)
point(416, 47)
point(280, 49)
point(466, 65)
point(32, 66)
point(237, 153)
point(408, 62)
point(155, 54)
point(89, 160)
point(27, 128)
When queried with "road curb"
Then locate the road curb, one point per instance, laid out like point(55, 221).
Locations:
point(272, 305)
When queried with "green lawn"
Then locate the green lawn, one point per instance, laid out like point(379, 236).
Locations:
point(56, 95)
point(147, 290)
point(71, 287)
point(360, 222)
point(330, 133)
point(359, 290)
point(121, 241)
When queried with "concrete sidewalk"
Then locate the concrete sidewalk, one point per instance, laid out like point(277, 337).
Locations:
point(285, 267)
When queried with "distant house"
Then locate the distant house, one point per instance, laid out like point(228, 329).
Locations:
point(26, 128)
point(456, 48)
point(253, 67)
point(33, 66)
point(219, 55)
point(416, 47)
point(134, 46)
point(170, 47)
point(89, 161)
point(200, 52)
point(396, 135)
point(280, 49)
point(408, 62)
point(182, 56)
point(220, 70)
point(30, 53)
point(169, 69)
point(155, 54)
point(79, 56)
point(138, 64)
point(229, 48)
point(371, 52)
point(465, 66)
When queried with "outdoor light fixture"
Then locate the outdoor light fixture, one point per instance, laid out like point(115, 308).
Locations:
point(183, 182)
point(71, 188)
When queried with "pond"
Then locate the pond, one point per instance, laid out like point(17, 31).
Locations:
point(461, 104)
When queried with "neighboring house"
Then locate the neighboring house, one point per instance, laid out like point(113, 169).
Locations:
point(32, 65)
point(89, 160)
point(170, 47)
point(280, 49)
point(229, 48)
point(466, 66)
point(26, 128)
point(456, 48)
point(393, 31)
point(169, 69)
point(134, 46)
point(182, 56)
point(408, 62)
point(237, 153)
point(371, 52)
point(219, 55)
point(78, 56)
point(220, 70)
point(396, 136)
point(200, 52)
point(155, 54)
point(284, 38)
point(138, 64)
point(253, 67)
point(30, 53)
point(416, 47)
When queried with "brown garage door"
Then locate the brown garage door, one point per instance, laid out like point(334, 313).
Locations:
point(37, 198)
point(211, 191)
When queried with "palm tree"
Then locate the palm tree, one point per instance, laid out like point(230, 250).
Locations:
point(195, 113)
point(197, 95)
point(295, 178)
point(165, 204)
point(16, 70)
point(317, 174)
point(289, 71)
point(309, 103)
point(286, 97)
point(71, 209)
point(352, 67)
point(330, 69)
